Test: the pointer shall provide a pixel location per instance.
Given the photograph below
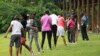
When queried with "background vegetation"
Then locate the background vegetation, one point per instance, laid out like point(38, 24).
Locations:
point(8, 8)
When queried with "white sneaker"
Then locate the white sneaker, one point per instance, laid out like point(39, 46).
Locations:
point(39, 52)
point(32, 54)
point(20, 54)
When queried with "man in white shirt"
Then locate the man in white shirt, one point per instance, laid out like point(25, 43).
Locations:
point(16, 28)
point(54, 18)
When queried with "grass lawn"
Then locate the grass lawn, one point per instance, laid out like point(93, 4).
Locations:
point(81, 48)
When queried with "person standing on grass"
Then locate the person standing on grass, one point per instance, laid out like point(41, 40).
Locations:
point(68, 29)
point(16, 28)
point(54, 18)
point(71, 25)
point(61, 28)
point(28, 25)
point(84, 23)
point(33, 32)
point(74, 14)
point(46, 28)
point(24, 23)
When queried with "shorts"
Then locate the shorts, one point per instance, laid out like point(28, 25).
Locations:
point(60, 31)
point(15, 39)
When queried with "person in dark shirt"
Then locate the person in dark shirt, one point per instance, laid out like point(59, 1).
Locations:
point(24, 22)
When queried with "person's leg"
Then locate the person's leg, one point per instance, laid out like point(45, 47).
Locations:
point(21, 50)
point(62, 33)
point(85, 32)
point(12, 40)
point(76, 35)
point(57, 35)
point(17, 44)
point(43, 39)
point(87, 38)
point(54, 34)
point(29, 49)
point(57, 39)
point(10, 51)
point(17, 51)
point(54, 31)
point(73, 35)
point(36, 41)
point(28, 35)
point(64, 40)
point(82, 32)
point(31, 40)
point(49, 39)
point(69, 35)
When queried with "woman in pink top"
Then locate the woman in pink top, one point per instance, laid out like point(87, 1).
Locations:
point(71, 26)
point(60, 28)
point(46, 28)
point(68, 29)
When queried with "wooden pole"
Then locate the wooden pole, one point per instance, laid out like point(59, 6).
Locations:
point(64, 8)
point(98, 14)
point(78, 11)
point(74, 5)
point(82, 5)
point(93, 15)
point(67, 5)
point(70, 5)
point(87, 7)
point(87, 12)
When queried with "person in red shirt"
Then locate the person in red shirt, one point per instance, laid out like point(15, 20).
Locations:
point(71, 25)
point(60, 28)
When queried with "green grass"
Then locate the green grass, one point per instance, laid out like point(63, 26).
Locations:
point(81, 48)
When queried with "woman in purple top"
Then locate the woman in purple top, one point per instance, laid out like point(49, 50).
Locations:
point(46, 28)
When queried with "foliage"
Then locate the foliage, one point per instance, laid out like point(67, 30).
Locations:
point(8, 8)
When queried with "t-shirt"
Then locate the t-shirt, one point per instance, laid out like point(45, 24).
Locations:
point(61, 21)
point(54, 18)
point(87, 19)
point(46, 22)
point(24, 22)
point(28, 23)
point(71, 23)
point(33, 23)
point(83, 20)
point(67, 21)
point(16, 27)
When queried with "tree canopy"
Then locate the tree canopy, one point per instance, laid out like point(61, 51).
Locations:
point(8, 8)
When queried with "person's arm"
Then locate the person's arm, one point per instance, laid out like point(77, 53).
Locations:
point(35, 27)
point(7, 31)
point(64, 23)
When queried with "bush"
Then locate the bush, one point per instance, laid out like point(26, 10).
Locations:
point(9, 9)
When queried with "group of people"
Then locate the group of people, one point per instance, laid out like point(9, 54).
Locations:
point(51, 24)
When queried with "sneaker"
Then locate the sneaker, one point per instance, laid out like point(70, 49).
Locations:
point(39, 52)
point(20, 54)
point(42, 51)
point(32, 54)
